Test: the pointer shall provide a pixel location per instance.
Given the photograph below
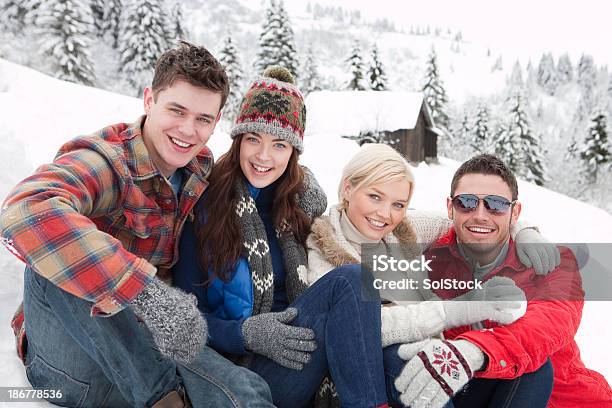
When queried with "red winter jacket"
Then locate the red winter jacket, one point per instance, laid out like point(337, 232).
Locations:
point(546, 330)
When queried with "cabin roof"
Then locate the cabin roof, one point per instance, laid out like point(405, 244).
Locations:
point(352, 112)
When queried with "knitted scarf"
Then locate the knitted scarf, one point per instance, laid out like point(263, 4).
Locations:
point(257, 253)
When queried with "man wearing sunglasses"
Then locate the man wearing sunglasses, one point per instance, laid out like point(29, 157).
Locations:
point(506, 366)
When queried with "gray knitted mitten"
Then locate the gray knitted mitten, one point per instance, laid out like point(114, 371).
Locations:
point(313, 199)
point(173, 318)
point(269, 334)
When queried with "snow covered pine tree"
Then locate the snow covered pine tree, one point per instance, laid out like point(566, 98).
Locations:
point(355, 62)
point(145, 37)
point(595, 152)
point(65, 29)
point(435, 94)
point(228, 57)
point(376, 74)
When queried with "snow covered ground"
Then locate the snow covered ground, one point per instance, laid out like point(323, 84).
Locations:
point(40, 113)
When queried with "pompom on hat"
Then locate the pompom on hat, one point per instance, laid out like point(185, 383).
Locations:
point(273, 104)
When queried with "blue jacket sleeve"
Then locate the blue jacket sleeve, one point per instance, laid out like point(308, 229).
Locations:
point(225, 335)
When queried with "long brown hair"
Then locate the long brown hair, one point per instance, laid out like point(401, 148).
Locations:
point(219, 239)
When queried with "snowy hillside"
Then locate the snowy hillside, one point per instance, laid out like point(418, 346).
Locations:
point(39, 113)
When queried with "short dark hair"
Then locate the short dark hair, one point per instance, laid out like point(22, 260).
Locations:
point(486, 164)
point(192, 64)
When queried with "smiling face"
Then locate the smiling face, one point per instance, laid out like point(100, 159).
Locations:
point(375, 210)
point(180, 120)
point(481, 233)
point(263, 158)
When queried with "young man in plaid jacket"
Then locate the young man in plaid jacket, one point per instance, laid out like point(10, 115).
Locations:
point(95, 226)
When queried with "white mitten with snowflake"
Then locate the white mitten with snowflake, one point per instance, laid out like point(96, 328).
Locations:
point(437, 372)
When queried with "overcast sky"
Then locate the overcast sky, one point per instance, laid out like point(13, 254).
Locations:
point(521, 27)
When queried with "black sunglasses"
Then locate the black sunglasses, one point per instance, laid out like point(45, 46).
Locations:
point(496, 205)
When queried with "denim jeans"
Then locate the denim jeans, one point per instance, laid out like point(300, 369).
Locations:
point(529, 390)
point(112, 361)
point(347, 331)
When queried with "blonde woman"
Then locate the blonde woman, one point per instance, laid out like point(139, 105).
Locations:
point(374, 193)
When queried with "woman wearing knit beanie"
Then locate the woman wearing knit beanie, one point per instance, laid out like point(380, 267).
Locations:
point(245, 260)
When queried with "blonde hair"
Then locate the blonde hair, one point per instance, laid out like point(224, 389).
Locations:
point(375, 163)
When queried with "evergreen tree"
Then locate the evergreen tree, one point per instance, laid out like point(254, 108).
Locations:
point(12, 15)
point(98, 15)
point(499, 65)
point(506, 147)
point(547, 74)
point(112, 20)
point(66, 28)
point(529, 152)
point(228, 57)
point(16, 15)
point(596, 150)
point(268, 53)
point(311, 80)
point(276, 43)
point(356, 69)
point(516, 77)
point(529, 72)
point(435, 94)
point(565, 70)
point(376, 73)
point(586, 75)
point(287, 52)
point(465, 130)
point(144, 38)
point(177, 29)
point(586, 104)
point(480, 133)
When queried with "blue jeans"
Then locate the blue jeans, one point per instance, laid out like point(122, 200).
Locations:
point(394, 365)
point(347, 331)
point(112, 361)
point(529, 390)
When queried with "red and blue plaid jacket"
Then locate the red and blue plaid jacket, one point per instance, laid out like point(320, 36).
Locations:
point(100, 219)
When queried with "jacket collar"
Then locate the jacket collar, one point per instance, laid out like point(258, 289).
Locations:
point(448, 243)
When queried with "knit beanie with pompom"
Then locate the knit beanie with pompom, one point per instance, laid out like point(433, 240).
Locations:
point(273, 104)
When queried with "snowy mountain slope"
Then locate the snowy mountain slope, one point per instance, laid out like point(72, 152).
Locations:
point(40, 113)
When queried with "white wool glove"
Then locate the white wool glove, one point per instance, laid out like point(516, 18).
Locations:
point(536, 251)
point(409, 323)
point(499, 300)
point(437, 371)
